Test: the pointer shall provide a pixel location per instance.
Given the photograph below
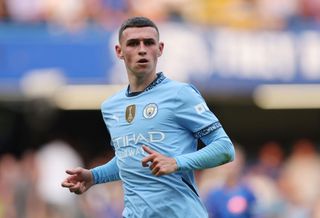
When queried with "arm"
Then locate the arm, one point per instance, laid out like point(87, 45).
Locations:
point(218, 150)
point(193, 114)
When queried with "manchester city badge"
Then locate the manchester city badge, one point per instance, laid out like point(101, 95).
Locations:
point(150, 110)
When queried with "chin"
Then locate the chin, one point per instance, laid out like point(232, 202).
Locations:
point(142, 72)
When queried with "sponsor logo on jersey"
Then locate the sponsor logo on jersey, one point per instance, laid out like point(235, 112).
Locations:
point(130, 145)
point(201, 108)
point(130, 113)
point(150, 110)
point(136, 138)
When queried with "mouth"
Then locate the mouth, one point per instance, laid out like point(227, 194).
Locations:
point(143, 61)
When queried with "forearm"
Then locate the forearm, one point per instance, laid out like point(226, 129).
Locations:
point(218, 150)
point(106, 173)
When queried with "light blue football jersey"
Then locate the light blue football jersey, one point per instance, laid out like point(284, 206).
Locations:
point(169, 117)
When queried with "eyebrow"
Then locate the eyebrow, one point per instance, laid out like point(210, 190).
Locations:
point(143, 39)
point(139, 39)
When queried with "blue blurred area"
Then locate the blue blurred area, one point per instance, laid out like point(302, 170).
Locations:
point(81, 56)
point(222, 59)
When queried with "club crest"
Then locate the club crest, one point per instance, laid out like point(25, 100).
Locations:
point(150, 110)
point(130, 113)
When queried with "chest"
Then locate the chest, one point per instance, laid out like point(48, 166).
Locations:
point(139, 117)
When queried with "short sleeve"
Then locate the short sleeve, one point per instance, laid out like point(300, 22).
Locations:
point(193, 113)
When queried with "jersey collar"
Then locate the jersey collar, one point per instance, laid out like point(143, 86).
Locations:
point(157, 81)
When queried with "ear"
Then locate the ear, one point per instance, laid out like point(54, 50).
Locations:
point(161, 46)
point(119, 51)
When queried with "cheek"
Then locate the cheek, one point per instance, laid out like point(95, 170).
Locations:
point(128, 59)
point(128, 56)
point(155, 54)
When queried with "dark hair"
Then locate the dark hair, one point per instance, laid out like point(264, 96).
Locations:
point(137, 22)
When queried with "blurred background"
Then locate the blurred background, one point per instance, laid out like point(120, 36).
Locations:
point(256, 62)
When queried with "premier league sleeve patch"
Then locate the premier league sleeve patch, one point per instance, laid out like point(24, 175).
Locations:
point(201, 108)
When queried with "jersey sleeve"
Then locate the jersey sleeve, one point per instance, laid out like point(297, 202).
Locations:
point(193, 113)
point(106, 173)
point(218, 150)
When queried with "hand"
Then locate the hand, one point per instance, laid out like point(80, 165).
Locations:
point(160, 164)
point(79, 181)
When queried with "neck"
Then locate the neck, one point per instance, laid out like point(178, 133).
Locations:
point(139, 83)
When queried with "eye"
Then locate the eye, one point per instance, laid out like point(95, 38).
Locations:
point(149, 42)
point(132, 43)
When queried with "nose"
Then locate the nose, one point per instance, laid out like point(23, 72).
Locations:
point(142, 49)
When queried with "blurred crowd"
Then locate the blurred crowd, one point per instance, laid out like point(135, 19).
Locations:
point(274, 184)
point(252, 14)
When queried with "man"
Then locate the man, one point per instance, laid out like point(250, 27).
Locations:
point(154, 125)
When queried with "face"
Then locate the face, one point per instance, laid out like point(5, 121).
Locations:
point(140, 49)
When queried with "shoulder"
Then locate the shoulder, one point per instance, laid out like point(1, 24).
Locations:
point(180, 87)
point(187, 92)
point(182, 93)
point(114, 98)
